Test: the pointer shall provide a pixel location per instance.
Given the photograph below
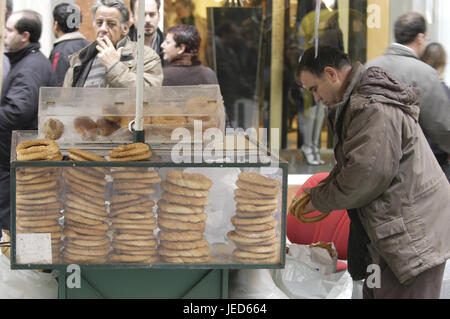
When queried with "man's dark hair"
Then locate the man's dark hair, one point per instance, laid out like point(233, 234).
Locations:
point(133, 2)
point(327, 56)
point(9, 8)
point(65, 11)
point(186, 34)
point(30, 21)
point(408, 26)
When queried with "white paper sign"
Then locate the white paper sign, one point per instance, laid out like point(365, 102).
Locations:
point(34, 248)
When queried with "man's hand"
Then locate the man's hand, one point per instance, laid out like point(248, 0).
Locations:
point(107, 53)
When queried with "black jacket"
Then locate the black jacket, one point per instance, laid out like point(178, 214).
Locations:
point(30, 70)
point(59, 57)
point(132, 34)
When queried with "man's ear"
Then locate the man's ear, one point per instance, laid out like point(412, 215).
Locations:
point(182, 48)
point(125, 28)
point(330, 73)
point(25, 36)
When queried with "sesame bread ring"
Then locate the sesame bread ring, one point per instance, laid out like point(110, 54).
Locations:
point(248, 254)
point(37, 201)
point(122, 258)
point(134, 174)
point(252, 195)
point(40, 229)
point(132, 209)
point(36, 187)
point(37, 195)
point(269, 260)
point(91, 202)
point(147, 221)
point(170, 224)
point(258, 202)
point(103, 227)
point(194, 201)
point(180, 235)
point(38, 180)
point(177, 190)
point(142, 201)
point(259, 227)
point(39, 207)
point(258, 248)
point(254, 234)
point(135, 217)
point(83, 188)
point(232, 235)
point(23, 176)
point(179, 209)
point(251, 221)
point(71, 244)
point(81, 175)
point(141, 181)
point(86, 231)
point(89, 243)
point(264, 190)
point(297, 209)
point(38, 213)
point(37, 223)
point(38, 142)
point(71, 258)
point(137, 251)
point(196, 252)
point(94, 212)
point(116, 199)
point(88, 252)
point(184, 245)
point(254, 214)
point(189, 180)
point(148, 247)
point(133, 244)
point(71, 234)
point(48, 215)
point(87, 156)
point(129, 186)
point(144, 191)
point(125, 237)
point(254, 208)
point(36, 154)
point(140, 226)
point(76, 176)
point(141, 232)
point(255, 178)
point(84, 218)
point(192, 218)
point(133, 158)
point(185, 260)
point(130, 150)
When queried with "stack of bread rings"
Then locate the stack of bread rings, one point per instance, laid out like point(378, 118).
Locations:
point(85, 214)
point(132, 217)
point(38, 203)
point(297, 209)
point(255, 234)
point(182, 218)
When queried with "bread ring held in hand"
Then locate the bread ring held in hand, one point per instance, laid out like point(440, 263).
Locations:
point(297, 209)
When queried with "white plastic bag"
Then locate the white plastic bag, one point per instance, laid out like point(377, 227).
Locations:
point(303, 279)
point(25, 284)
point(253, 284)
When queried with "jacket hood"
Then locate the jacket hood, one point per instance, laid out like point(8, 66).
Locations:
point(384, 87)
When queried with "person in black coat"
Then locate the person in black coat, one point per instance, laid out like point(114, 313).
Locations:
point(30, 70)
point(67, 20)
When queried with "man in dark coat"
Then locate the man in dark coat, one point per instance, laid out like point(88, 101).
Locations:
point(67, 20)
point(153, 36)
point(30, 70)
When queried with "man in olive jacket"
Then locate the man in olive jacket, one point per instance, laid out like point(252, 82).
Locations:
point(402, 59)
point(111, 60)
point(385, 176)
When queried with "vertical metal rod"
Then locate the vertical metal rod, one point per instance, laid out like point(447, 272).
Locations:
point(139, 121)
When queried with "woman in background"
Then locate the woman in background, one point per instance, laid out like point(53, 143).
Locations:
point(181, 50)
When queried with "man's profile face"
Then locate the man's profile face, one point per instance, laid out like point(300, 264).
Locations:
point(14, 41)
point(107, 23)
point(151, 16)
point(321, 87)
